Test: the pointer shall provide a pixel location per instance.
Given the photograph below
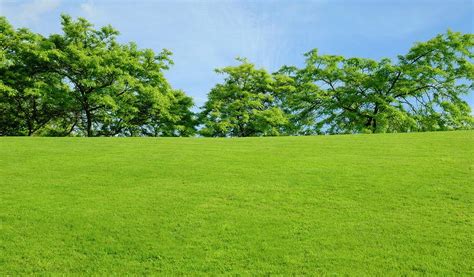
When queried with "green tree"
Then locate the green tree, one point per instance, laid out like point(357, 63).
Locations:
point(421, 92)
point(243, 105)
point(114, 86)
point(30, 97)
point(176, 119)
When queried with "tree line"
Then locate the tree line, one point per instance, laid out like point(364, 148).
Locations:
point(83, 82)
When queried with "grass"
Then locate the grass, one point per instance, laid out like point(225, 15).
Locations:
point(395, 204)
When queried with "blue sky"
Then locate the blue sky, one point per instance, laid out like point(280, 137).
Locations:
point(206, 34)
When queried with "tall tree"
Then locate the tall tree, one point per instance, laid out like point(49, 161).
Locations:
point(108, 80)
point(30, 97)
point(243, 105)
point(177, 121)
point(421, 92)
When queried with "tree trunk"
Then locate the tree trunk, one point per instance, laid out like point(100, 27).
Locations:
point(374, 121)
point(89, 122)
point(30, 125)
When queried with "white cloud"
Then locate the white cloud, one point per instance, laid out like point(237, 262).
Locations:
point(34, 9)
point(88, 9)
point(2, 7)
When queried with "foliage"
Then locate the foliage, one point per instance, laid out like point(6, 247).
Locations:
point(421, 92)
point(176, 120)
point(30, 97)
point(84, 82)
point(244, 105)
point(115, 86)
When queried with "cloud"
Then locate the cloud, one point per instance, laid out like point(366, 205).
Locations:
point(208, 34)
point(89, 9)
point(34, 9)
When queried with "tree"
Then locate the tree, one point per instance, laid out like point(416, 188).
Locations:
point(111, 83)
point(83, 82)
point(175, 120)
point(421, 92)
point(243, 105)
point(30, 98)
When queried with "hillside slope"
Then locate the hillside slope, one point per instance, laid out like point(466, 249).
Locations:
point(352, 204)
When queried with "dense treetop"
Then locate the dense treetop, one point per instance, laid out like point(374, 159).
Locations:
point(83, 82)
point(420, 91)
point(244, 105)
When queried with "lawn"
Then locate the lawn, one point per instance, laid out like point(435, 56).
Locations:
point(386, 204)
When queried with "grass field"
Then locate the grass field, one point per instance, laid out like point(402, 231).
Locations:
point(357, 204)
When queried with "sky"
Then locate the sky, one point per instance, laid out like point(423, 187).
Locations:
point(208, 34)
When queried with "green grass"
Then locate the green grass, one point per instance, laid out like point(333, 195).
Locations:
point(363, 204)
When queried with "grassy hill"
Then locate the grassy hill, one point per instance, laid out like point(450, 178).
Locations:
point(353, 204)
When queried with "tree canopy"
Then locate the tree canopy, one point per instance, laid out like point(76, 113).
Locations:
point(243, 105)
point(421, 91)
point(30, 97)
point(84, 82)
